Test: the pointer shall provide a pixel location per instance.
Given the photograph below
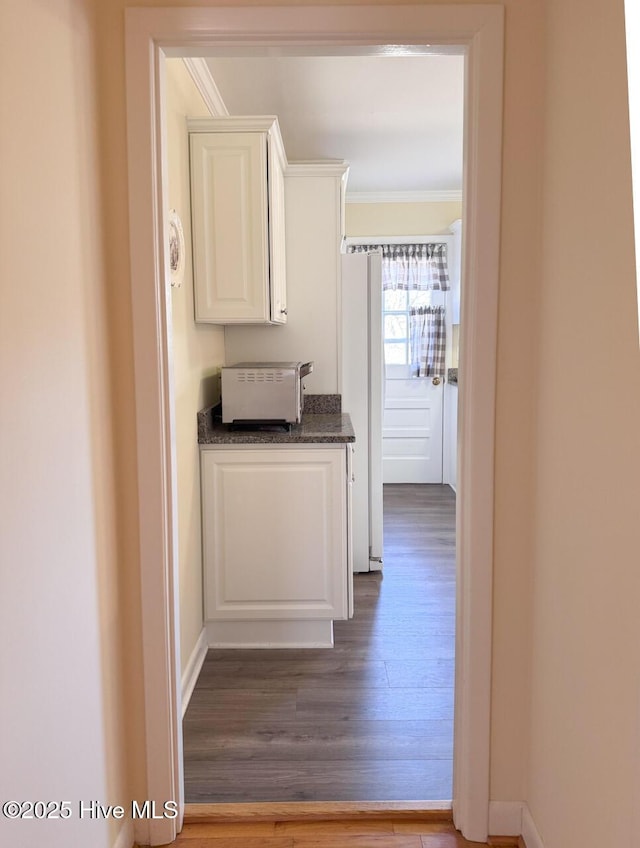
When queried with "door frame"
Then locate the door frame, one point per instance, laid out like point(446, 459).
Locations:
point(151, 34)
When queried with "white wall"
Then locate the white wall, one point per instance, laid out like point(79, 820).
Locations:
point(584, 754)
point(198, 352)
point(62, 610)
point(313, 257)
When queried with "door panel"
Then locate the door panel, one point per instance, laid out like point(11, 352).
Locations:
point(412, 433)
point(407, 447)
point(406, 421)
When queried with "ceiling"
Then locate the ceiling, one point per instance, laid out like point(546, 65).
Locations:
point(396, 119)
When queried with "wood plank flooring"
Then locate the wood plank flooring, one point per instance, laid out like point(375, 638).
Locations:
point(384, 833)
point(370, 719)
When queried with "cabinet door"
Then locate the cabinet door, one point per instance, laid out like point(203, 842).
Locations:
point(230, 227)
point(278, 268)
point(274, 534)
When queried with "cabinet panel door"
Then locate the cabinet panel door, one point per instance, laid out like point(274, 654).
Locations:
point(274, 533)
point(230, 227)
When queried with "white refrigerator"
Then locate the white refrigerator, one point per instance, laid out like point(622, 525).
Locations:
point(362, 374)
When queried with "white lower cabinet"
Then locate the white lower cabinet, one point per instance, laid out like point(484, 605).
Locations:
point(275, 539)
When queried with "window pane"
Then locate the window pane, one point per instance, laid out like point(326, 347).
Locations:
point(395, 353)
point(395, 327)
point(394, 300)
point(420, 298)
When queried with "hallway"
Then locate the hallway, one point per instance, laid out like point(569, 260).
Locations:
point(347, 724)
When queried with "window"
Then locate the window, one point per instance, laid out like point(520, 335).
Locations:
point(396, 305)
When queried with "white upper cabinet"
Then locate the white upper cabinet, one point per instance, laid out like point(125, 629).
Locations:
point(238, 220)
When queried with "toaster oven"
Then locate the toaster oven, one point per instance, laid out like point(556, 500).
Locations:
point(266, 392)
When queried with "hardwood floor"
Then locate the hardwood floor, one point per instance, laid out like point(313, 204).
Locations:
point(370, 719)
point(383, 833)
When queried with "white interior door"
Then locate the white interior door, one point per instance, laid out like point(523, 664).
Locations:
point(412, 430)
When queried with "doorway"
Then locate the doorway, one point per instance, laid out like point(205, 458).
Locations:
point(479, 29)
point(288, 754)
point(417, 351)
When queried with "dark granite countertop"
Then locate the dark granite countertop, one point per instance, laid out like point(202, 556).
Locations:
point(452, 376)
point(319, 427)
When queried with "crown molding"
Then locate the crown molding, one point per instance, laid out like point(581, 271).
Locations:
point(242, 123)
point(204, 82)
point(318, 168)
point(455, 195)
point(233, 123)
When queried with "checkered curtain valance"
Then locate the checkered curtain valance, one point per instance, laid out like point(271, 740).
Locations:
point(427, 341)
point(410, 266)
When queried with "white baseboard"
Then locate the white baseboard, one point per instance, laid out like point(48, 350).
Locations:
point(154, 831)
point(313, 633)
point(125, 838)
point(513, 818)
point(505, 818)
point(530, 834)
point(192, 669)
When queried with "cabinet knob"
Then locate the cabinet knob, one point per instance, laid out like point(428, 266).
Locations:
point(436, 381)
point(284, 311)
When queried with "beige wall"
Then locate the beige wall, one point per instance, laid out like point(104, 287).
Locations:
point(401, 219)
point(567, 417)
point(63, 601)
point(584, 750)
point(198, 352)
